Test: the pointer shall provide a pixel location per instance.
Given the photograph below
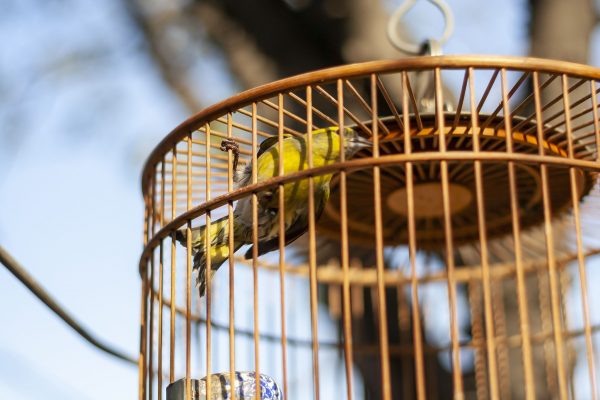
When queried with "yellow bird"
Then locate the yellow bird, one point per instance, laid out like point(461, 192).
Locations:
point(325, 151)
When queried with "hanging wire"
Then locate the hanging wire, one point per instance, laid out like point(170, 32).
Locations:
point(26, 279)
point(413, 48)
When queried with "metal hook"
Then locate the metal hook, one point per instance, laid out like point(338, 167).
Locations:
point(412, 48)
point(425, 83)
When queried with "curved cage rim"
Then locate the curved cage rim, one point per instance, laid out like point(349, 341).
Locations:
point(393, 278)
point(350, 165)
point(353, 70)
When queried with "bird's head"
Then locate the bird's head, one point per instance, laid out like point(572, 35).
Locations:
point(354, 142)
point(327, 143)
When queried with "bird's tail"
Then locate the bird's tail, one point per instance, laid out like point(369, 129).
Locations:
point(217, 228)
point(201, 279)
point(219, 248)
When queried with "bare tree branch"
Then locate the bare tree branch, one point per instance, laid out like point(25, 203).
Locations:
point(246, 61)
point(153, 30)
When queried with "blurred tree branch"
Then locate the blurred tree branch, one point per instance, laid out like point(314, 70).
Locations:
point(562, 29)
point(246, 61)
point(153, 29)
point(264, 40)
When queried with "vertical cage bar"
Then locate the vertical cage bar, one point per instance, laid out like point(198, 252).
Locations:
point(595, 116)
point(456, 368)
point(188, 276)
point(281, 172)
point(143, 342)
point(152, 222)
point(564, 282)
point(384, 351)
point(403, 315)
point(521, 287)
point(151, 331)
point(548, 348)
point(484, 257)
point(412, 247)
point(554, 293)
point(255, 252)
point(173, 298)
point(161, 281)
point(485, 267)
point(231, 242)
point(143, 302)
point(208, 252)
point(500, 336)
point(314, 317)
point(477, 331)
point(345, 256)
point(189, 173)
point(587, 328)
point(148, 306)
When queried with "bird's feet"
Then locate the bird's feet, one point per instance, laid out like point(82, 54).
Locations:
point(230, 144)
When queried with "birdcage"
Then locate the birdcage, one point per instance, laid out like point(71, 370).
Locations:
point(449, 259)
point(489, 200)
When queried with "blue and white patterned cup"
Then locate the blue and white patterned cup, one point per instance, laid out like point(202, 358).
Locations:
point(244, 386)
point(220, 387)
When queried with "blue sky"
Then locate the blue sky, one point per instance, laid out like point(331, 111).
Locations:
point(81, 106)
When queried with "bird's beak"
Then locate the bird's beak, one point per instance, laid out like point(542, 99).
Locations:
point(362, 142)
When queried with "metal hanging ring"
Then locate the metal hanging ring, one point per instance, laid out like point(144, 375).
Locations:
point(412, 48)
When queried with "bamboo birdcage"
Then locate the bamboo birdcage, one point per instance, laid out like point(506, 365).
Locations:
point(455, 251)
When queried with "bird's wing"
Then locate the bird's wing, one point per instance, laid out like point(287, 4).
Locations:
point(244, 177)
point(270, 142)
point(297, 228)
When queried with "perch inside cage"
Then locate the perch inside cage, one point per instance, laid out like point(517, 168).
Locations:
point(439, 261)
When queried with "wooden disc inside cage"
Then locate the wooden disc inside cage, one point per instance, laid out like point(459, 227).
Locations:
point(427, 190)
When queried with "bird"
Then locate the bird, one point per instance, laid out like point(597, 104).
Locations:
point(325, 150)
